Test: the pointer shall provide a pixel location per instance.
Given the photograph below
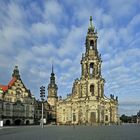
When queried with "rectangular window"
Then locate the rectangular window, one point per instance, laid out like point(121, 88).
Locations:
point(106, 117)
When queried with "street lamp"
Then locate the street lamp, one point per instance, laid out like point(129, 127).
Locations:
point(42, 95)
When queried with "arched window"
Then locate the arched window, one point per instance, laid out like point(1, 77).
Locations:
point(91, 44)
point(92, 89)
point(74, 117)
point(91, 69)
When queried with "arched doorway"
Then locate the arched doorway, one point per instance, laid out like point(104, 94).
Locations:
point(18, 122)
point(7, 122)
point(93, 117)
point(27, 122)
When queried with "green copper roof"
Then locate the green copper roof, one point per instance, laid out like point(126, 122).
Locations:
point(91, 27)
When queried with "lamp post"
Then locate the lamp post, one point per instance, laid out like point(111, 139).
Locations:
point(42, 95)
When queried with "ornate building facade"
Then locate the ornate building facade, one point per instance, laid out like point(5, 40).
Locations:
point(16, 102)
point(87, 103)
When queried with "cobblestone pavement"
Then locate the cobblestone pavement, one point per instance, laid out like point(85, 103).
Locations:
point(123, 132)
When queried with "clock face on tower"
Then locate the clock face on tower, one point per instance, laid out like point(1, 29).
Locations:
point(53, 91)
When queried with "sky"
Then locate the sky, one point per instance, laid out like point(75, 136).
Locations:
point(36, 33)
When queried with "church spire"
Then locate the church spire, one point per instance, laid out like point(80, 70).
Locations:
point(91, 27)
point(52, 78)
point(52, 68)
point(52, 89)
point(91, 38)
point(91, 62)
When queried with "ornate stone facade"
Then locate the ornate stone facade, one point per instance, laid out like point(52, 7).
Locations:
point(16, 102)
point(87, 103)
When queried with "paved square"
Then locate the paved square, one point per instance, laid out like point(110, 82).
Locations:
point(123, 132)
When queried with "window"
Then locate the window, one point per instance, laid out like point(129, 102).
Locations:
point(106, 118)
point(91, 70)
point(8, 106)
point(92, 89)
point(91, 45)
point(8, 109)
point(74, 117)
point(27, 110)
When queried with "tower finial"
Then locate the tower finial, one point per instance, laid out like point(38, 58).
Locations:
point(91, 21)
point(52, 67)
point(91, 27)
point(16, 72)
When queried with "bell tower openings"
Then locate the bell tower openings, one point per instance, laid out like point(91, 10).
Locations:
point(91, 70)
point(92, 89)
point(91, 60)
point(91, 45)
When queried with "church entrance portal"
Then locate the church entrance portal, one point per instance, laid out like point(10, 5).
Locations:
point(93, 117)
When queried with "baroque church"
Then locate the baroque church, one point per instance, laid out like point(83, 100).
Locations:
point(87, 103)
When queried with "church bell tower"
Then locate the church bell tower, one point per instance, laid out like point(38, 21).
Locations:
point(91, 64)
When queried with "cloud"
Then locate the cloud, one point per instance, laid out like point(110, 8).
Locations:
point(70, 44)
point(34, 34)
point(108, 39)
point(130, 103)
point(53, 11)
point(13, 15)
point(12, 31)
point(43, 30)
point(43, 50)
point(122, 8)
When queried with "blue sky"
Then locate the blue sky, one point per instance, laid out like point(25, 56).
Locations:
point(35, 33)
